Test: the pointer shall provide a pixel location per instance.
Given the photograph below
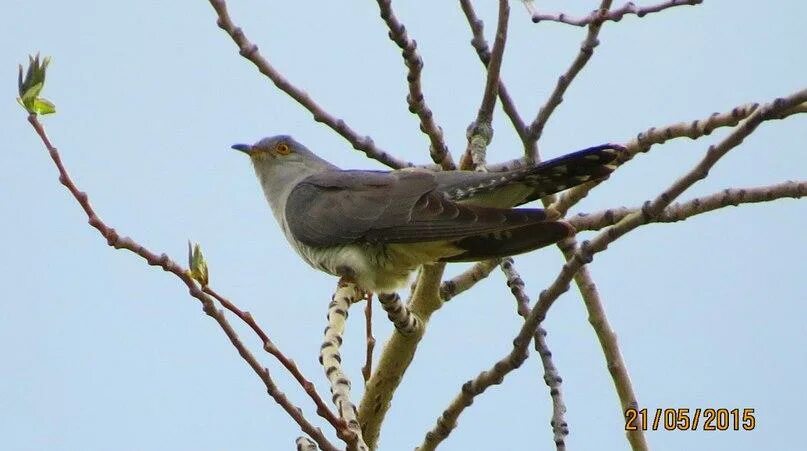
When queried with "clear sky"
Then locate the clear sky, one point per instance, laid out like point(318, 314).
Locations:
point(100, 351)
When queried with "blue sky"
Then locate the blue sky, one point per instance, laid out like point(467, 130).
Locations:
point(101, 351)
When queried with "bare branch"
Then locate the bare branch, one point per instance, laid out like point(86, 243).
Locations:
point(480, 132)
point(536, 128)
point(658, 135)
point(250, 51)
point(573, 196)
point(322, 409)
point(467, 279)
point(398, 353)
point(494, 65)
point(795, 110)
point(684, 210)
point(481, 46)
point(346, 294)
point(608, 341)
point(560, 428)
point(417, 103)
point(368, 332)
point(114, 239)
point(615, 15)
point(511, 165)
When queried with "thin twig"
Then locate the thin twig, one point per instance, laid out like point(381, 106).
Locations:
point(417, 103)
point(345, 295)
point(397, 354)
point(250, 51)
point(467, 279)
point(367, 369)
point(615, 15)
point(658, 135)
point(683, 210)
point(322, 409)
point(494, 66)
point(569, 247)
point(114, 239)
point(560, 428)
point(536, 128)
point(511, 165)
point(480, 132)
point(608, 341)
point(483, 52)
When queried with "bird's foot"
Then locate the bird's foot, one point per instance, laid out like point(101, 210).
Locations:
point(345, 281)
point(361, 294)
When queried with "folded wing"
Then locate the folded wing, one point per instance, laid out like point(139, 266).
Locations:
point(343, 207)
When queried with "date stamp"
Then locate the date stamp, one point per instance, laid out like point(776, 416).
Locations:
point(684, 419)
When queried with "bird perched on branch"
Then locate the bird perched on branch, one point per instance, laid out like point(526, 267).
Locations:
point(375, 227)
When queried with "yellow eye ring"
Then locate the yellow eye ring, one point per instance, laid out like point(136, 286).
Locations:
point(282, 149)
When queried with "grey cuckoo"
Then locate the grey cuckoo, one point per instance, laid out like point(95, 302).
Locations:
point(376, 227)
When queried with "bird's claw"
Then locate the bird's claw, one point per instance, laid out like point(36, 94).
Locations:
point(361, 294)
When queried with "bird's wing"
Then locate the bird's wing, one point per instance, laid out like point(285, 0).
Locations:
point(343, 207)
point(519, 186)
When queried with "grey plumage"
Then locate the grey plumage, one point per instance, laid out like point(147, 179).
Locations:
point(378, 226)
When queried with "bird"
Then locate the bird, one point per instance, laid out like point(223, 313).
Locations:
point(374, 228)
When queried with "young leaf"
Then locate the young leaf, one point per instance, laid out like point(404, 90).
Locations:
point(197, 266)
point(30, 86)
point(43, 106)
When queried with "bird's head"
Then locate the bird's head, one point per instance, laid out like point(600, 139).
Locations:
point(282, 148)
point(282, 152)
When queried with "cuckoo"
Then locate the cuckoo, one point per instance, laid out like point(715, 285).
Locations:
point(375, 227)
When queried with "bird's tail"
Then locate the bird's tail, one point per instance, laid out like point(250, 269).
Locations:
point(543, 179)
point(567, 171)
point(511, 242)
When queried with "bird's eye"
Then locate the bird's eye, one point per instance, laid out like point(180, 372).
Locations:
point(282, 149)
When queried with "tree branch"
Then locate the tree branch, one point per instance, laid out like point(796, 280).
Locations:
point(583, 280)
point(552, 379)
point(398, 353)
point(250, 51)
point(417, 103)
point(536, 128)
point(322, 409)
point(658, 135)
point(480, 132)
point(466, 280)
point(684, 210)
point(608, 341)
point(615, 15)
point(481, 46)
point(370, 344)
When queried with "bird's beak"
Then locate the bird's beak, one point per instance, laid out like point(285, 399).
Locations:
point(246, 148)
